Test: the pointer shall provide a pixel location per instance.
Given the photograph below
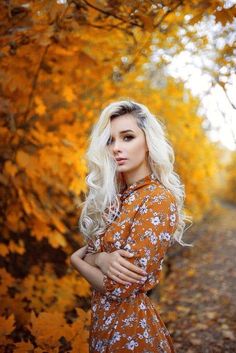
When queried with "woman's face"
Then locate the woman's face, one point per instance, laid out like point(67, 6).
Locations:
point(128, 141)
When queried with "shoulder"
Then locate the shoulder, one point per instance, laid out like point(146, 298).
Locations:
point(153, 196)
point(159, 202)
point(157, 192)
point(157, 199)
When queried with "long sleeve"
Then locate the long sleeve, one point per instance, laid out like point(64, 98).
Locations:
point(150, 236)
point(93, 246)
point(91, 249)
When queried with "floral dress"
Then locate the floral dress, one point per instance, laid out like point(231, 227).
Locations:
point(123, 319)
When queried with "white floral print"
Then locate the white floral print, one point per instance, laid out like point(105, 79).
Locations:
point(123, 318)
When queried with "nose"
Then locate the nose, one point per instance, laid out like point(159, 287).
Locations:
point(116, 147)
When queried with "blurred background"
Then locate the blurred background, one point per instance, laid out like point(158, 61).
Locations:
point(62, 62)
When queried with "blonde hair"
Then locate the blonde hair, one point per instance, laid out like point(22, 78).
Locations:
point(101, 205)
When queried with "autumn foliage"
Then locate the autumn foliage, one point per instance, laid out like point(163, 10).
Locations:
point(61, 63)
point(230, 182)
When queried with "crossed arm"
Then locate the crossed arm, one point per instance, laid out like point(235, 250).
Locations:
point(88, 267)
point(89, 263)
point(151, 232)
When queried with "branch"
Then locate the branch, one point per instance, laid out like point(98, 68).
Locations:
point(138, 53)
point(34, 83)
point(228, 123)
point(108, 27)
point(167, 13)
point(226, 93)
point(36, 76)
point(108, 13)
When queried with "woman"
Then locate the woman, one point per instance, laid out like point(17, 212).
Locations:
point(131, 215)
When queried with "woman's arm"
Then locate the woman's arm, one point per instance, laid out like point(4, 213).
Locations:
point(92, 259)
point(92, 274)
point(91, 254)
point(150, 234)
point(114, 264)
point(95, 276)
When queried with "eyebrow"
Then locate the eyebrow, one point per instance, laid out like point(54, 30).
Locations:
point(124, 131)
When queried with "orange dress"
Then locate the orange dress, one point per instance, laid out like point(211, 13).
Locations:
point(123, 319)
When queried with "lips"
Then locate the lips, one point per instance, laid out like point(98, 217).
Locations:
point(120, 159)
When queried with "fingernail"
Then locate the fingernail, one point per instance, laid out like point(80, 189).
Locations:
point(141, 281)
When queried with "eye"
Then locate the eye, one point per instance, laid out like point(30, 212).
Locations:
point(129, 137)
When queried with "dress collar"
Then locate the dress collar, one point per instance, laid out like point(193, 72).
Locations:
point(136, 185)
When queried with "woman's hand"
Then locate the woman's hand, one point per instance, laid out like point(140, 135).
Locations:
point(80, 252)
point(118, 268)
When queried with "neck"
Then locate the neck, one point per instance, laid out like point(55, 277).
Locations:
point(132, 177)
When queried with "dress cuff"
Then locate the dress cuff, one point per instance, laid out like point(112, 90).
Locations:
point(106, 283)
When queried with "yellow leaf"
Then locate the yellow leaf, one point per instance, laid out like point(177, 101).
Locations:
point(17, 248)
point(40, 108)
point(22, 158)
point(23, 347)
point(56, 239)
point(4, 250)
point(148, 22)
point(183, 308)
point(224, 16)
point(172, 315)
point(195, 18)
point(40, 230)
point(191, 272)
point(6, 326)
point(48, 328)
point(10, 168)
point(68, 94)
point(6, 280)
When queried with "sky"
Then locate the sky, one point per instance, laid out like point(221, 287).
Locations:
point(214, 105)
point(192, 67)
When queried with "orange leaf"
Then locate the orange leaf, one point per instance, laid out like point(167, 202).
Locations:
point(23, 347)
point(22, 158)
point(10, 168)
point(56, 239)
point(4, 250)
point(18, 248)
point(69, 94)
point(6, 326)
point(40, 106)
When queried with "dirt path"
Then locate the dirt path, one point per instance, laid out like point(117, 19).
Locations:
point(198, 298)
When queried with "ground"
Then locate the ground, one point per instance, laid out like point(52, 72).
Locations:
point(197, 298)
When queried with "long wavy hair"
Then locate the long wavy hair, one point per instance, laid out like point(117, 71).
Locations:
point(105, 183)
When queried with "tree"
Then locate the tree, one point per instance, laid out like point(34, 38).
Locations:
point(60, 63)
